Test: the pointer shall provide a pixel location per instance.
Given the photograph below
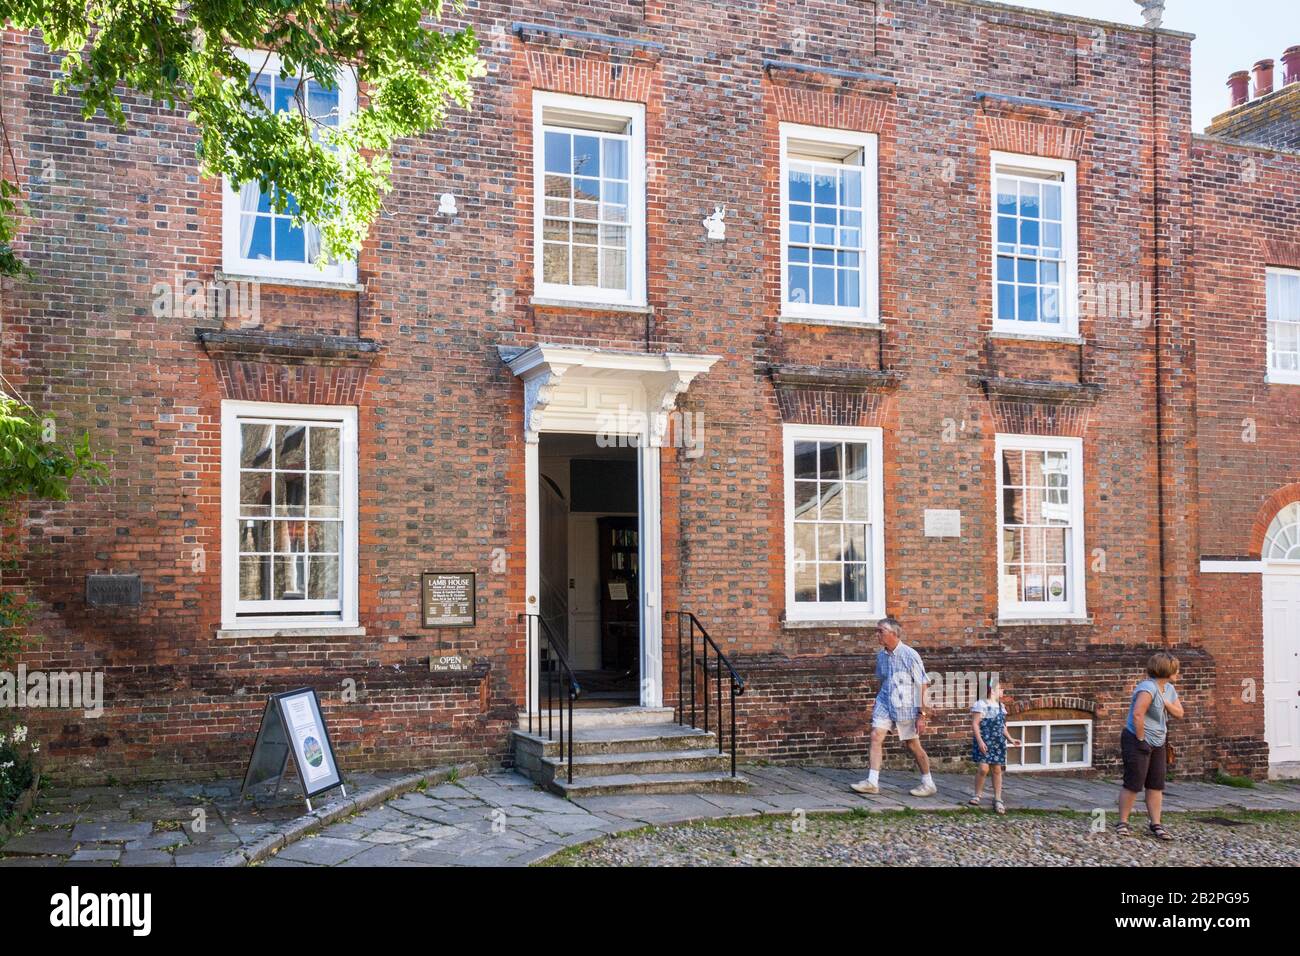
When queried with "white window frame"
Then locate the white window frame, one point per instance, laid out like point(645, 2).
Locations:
point(236, 614)
point(1047, 765)
point(1068, 327)
point(868, 312)
point(634, 114)
point(1077, 608)
point(1276, 375)
point(235, 264)
point(873, 610)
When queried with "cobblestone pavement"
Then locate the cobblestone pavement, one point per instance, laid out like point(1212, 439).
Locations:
point(501, 819)
point(960, 838)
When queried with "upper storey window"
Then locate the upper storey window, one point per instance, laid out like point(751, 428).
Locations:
point(1035, 246)
point(1283, 305)
point(589, 162)
point(828, 225)
point(258, 239)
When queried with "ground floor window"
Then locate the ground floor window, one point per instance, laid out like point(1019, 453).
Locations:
point(289, 514)
point(1050, 744)
point(834, 529)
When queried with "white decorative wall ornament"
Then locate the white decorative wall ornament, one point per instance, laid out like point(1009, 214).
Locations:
point(447, 205)
point(714, 224)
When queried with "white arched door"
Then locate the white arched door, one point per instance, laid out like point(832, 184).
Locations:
point(1282, 637)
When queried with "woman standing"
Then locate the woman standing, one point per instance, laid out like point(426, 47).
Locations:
point(1142, 744)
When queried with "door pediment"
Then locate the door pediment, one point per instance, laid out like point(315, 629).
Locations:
point(599, 391)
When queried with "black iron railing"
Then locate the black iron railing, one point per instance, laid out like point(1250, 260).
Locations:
point(540, 634)
point(688, 625)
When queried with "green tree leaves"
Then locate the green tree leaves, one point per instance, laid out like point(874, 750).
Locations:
point(182, 55)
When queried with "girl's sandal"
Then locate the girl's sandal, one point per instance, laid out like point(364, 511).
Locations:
point(999, 807)
point(1160, 833)
point(1123, 829)
point(973, 802)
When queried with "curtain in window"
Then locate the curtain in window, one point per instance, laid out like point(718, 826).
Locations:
point(249, 196)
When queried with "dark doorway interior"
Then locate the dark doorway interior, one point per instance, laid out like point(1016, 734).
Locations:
point(590, 565)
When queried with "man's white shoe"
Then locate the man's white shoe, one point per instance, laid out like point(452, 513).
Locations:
point(865, 786)
point(924, 790)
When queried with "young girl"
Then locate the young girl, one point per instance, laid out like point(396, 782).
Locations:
point(989, 746)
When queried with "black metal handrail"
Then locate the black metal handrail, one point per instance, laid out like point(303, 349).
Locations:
point(543, 632)
point(687, 648)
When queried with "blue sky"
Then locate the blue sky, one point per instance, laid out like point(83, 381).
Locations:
point(1229, 36)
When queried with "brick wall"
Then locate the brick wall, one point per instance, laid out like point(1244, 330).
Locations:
point(440, 417)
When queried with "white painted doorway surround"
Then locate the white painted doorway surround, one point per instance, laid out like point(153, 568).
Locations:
point(617, 396)
point(1282, 662)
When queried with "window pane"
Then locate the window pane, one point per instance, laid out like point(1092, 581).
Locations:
point(805, 459)
point(255, 578)
point(615, 159)
point(323, 579)
point(555, 263)
point(290, 447)
point(800, 187)
point(558, 155)
point(857, 501)
point(585, 260)
point(255, 536)
point(290, 578)
point(805, 582)
point(255, 446)
point(805, 543)
point(830, 460)
point(855, 582)
point(290, 495)
point(832, 498)
point(255, 494)
point(323, 537)
point(805, 499)
point(830, 582)
point(586, 156)
point(325, 496)
point(829, 544)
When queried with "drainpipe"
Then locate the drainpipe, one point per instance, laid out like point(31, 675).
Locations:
point(1156, 310)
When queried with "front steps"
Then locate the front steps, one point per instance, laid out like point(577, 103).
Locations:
point(615, 753)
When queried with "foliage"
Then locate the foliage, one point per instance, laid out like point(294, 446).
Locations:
point(182, 55)
point(17, 768)
point(33, 464)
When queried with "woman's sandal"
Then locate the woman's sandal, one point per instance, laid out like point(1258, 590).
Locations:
point(973, 802)
point(1123, 829)
point(999, 807)
point(1160, 833)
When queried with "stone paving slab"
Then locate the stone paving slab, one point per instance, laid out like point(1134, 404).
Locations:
point(196, 824)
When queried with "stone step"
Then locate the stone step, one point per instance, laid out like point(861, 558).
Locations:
point(638, 764)
point(589, 717)
point(701, 782)
point(605, 740)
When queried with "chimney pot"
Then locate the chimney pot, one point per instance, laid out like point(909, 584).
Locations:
point(1238, 86)
point(1263, 71)
point(1291, 65)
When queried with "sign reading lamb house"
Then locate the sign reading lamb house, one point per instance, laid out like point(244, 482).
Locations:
point(292, 724)
point(448, 598)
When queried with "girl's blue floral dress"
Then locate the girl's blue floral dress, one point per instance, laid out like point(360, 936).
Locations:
point(993, 725)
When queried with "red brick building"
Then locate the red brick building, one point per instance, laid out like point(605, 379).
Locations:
point(789, 315)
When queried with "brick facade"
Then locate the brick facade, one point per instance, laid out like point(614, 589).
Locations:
point(415, 347)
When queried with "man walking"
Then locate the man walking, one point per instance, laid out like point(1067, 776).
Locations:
point(900, 706)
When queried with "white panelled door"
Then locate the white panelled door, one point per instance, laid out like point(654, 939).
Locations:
point(1282, 666)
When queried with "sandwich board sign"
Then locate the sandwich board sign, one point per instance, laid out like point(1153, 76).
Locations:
point(292, 725)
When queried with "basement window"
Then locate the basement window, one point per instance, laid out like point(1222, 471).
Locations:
point(289, 515)
point(589, 189)
point(829, 263)
point(1050, 745)
point(1283, 303)
point(1035, 243)
point(257, 239)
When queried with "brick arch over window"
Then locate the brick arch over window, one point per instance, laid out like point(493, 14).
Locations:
point(1053, 708)
point(1269, 510)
